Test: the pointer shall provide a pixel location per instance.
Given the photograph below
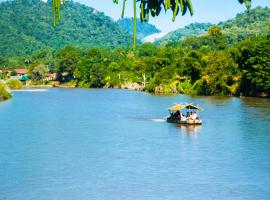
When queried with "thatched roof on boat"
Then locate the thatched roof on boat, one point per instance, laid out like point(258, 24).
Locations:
point(184, 106)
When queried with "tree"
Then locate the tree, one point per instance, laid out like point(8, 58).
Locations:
point(68, 59)
point(90, 71)
point(214, 31)
point(254, 61)
point(219, 74)
point(39, 72)
point(218, 38)
point(193, 65)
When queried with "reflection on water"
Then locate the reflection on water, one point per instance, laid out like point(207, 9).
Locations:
point(190, 129)
point(114, 144)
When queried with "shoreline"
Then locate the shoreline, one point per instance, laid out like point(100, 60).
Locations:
point(132, 89)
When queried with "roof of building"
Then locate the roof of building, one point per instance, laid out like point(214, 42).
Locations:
point(5, 70)
point(52, 75)
point(21, 71)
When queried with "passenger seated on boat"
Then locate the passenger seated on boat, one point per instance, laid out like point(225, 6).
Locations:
point(183, 117)
point(193, 116)
point(177, 114)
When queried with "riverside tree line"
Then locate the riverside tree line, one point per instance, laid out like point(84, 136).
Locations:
point(205, 65)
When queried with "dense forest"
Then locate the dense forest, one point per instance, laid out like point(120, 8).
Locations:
point(26, 26)
point(252, 22)
point(205, 65)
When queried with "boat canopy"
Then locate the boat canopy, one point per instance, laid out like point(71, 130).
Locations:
point(179, 107)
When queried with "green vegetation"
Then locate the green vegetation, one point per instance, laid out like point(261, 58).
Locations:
point(143, 29)
point(206, 65)
point(26, 26)
point(211, 64)
point(193, 29)
point(254, 61)
point(14, 84)
point(247, 24)
point(244, 25)
point(4, 94)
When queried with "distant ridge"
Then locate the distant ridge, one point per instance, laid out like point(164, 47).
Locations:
point(242, 26)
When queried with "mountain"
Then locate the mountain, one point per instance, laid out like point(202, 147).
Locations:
point(246, 24)
point(143, 29)
point(193, 29)
point(26, 26)
point(242, 26)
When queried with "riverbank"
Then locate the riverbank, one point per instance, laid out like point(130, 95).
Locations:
point(136, 87)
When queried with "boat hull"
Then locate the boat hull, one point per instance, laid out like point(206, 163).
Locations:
point(176, 120)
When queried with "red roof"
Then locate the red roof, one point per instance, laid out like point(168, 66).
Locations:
point(52, 75)
point(21, 71)
point(5, 71)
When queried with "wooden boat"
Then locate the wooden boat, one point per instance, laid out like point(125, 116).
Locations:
point(189, 118)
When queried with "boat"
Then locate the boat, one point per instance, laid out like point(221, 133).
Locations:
point(189, 118)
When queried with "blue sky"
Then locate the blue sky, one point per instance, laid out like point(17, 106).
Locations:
point(205, 11)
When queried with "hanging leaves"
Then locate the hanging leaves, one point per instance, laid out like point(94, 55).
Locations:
point(56, 10)
point(246, 2)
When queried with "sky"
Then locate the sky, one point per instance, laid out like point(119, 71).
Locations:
point(212, 11)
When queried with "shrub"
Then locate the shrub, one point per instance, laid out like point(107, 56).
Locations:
point(14, 84)
point(4, 94)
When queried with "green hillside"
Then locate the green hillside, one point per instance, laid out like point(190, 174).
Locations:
point(249, 23)
point(26, 26)
point(193, 29)
point(143, 29)
point(244, 25)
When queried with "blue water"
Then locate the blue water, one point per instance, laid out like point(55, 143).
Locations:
point(112, 144)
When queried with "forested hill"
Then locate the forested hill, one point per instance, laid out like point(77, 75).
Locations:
point(193, 29)
point(26, 25)
point(143, 29)
point(247, 24)
point(244, 25)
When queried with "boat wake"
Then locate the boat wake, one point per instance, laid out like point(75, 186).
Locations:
point(158, 120)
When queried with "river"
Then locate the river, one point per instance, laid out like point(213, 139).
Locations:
point(113, 144)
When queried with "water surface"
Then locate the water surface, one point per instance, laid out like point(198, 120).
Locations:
point(112, 144)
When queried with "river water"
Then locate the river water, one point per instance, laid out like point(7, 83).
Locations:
point(113, 144)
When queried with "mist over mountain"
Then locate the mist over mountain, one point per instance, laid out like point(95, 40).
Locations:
point(143, 29)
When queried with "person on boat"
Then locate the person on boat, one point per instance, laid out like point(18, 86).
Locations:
point(177, 113)
point(194, 116)
point(183, 118)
